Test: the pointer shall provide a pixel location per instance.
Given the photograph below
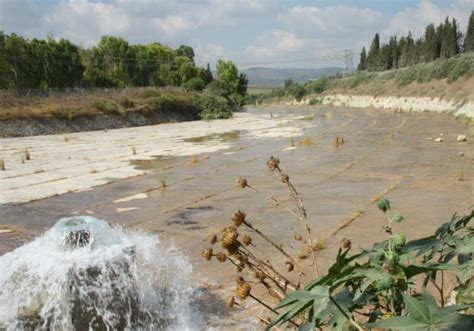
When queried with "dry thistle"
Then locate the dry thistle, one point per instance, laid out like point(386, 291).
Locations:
point(2, 164)
point(273, 163)
point(230, 301)
point(243, 291)
point(241, 182)
point(302, 255)
point(298, 237)
point(238, 268)
point(240, 280)
point(229, 242)
point(246, 240)
point(289, 266)
point(221, 257)
point(238, 218)
point(212, 238)
point(284, 178)
point(259, 275)
point(207, 253)
point(27, 154)
point(345, 243)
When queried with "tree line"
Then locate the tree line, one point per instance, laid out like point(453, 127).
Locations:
point(113, 62)
point(444, 41)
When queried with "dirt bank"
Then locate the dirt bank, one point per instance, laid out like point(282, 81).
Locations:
point(91, 122)
point(456, 108)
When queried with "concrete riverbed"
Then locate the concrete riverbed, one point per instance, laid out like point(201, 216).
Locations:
point(178, 180)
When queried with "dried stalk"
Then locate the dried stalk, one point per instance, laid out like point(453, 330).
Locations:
point(302, 217)
point(274, 244)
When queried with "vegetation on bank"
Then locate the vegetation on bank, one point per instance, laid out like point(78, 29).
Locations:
point(177, 84)
point(396, 284)
point(425, 79)
point(444, 41)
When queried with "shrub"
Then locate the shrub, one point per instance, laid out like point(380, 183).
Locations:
point(107, 107)
point(315, 101)
point(213, 107)
point(194, 84)
point(296, 91)
point(219, 88)
point(170, 102)
point(318, 86)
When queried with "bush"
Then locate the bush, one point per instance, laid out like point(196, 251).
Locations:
point(297, 91)
point(105, 107)
point(219, 88)
point(318, 86)
point(315, 101)
point(170, 102)
point(194, 84)
point(213, 107)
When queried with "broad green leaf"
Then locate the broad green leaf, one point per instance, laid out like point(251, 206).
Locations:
point(426, 315)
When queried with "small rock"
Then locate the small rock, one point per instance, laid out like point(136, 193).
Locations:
point(441, 134)
point(430, 138)
point(461, 153)
point(440, 140)
point(462, 137)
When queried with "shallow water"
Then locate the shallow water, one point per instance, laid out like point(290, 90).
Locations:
point(114, 279)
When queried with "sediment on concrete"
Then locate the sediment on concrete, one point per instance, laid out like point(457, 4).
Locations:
point(54, 125)
point(456, 108)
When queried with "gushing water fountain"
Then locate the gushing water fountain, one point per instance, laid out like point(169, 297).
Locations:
point(83, 274)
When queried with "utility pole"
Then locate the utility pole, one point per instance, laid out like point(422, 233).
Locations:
point(348, 62)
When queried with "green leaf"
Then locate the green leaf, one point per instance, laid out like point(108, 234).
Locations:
point(398, 217)
point(426, 315)
point(383, 204)
point(298, 301)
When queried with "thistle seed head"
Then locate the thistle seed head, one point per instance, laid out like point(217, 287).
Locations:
point(246, 240)
point(289, 266)
point(241, 182)
point(259, 275)
point(273, 163)
point(345, 243)
point(238, 218)
point(207, 253)
point(284, 178)
point(221, 257)
point(229, 302)
point(212, 238)
point(240, 280)
point(229, 241)
point(298, 237)
point(243, 291)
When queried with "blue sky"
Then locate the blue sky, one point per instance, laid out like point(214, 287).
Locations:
point(275, 33)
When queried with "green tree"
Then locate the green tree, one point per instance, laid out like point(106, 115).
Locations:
point(185, 50)
point(363, 60)
point(227, 71)
point(469, 38)
point(431, 45)
point(447, 39)
point(395, 55)
point(373, 58)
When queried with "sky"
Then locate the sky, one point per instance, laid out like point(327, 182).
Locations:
point(270, 33)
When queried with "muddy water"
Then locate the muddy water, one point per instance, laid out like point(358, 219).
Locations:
point(184, 198)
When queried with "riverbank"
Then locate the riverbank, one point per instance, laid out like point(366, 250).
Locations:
point(464, 109)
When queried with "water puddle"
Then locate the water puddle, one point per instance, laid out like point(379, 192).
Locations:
point(224, 137)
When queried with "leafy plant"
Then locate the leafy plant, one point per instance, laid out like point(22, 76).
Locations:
point(373, 288)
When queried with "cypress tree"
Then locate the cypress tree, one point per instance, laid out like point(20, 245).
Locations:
point(447, 41)
point(455, 38)
point(373, 59)
point(430, 51)
point(363, 60)
point(469, 39)
point(394, 52)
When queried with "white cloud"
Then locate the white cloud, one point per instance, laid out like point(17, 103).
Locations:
point(415, 19)
point(332, 21)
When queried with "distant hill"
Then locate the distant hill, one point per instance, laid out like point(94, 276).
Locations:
point(261, 76)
